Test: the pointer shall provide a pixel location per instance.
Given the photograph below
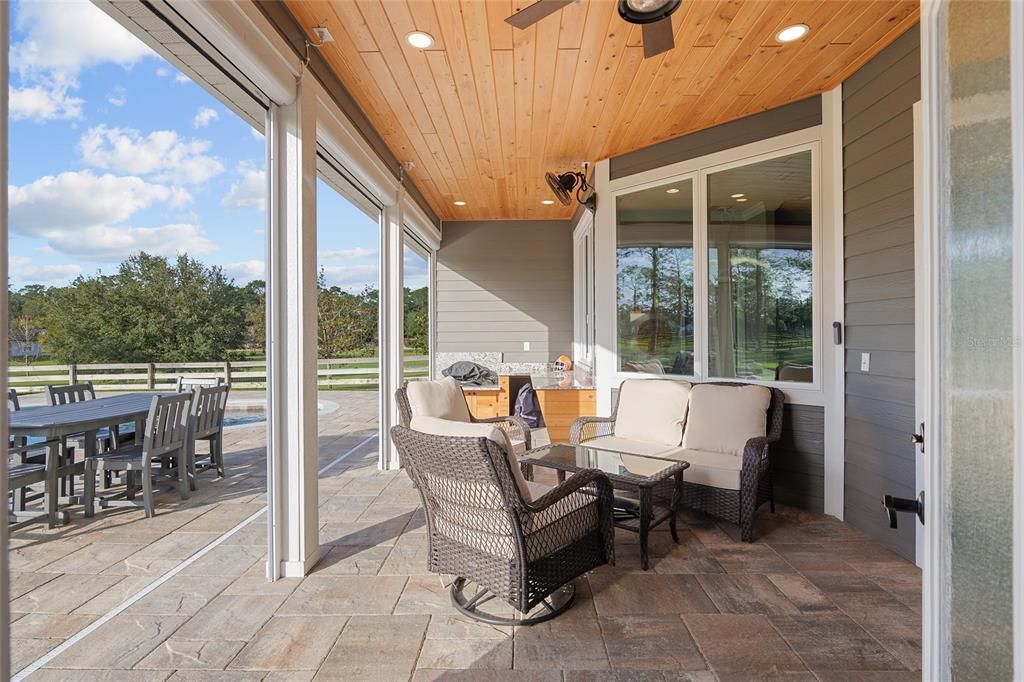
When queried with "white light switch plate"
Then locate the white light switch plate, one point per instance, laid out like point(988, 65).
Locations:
point(865, 362)
point(526, 345)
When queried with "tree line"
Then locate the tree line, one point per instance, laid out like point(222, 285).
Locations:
point(156, 309)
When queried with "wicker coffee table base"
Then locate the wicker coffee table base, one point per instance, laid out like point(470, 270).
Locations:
point(557, 602)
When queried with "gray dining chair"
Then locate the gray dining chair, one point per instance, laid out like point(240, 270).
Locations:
point(166, 439)
point(189, 384)
point(106, 439)
point(27, 466)
point(208, 406)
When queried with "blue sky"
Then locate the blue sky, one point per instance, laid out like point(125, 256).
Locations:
point(113, 151)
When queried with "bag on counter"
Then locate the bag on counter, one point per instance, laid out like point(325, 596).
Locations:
point(528, 407)
point(470, 373)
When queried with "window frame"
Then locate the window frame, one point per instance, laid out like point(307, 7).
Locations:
point(698, 170)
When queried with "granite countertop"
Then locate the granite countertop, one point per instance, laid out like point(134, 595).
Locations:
point(546, 382)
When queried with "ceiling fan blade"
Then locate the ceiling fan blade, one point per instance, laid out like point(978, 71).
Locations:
point(528, 16)
point(658, 37)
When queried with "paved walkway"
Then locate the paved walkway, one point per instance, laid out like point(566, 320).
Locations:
point(811, 599)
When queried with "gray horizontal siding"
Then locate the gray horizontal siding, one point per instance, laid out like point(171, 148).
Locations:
point(785, 119)
point(500, 283)
point(878, 182)
point(798, 460)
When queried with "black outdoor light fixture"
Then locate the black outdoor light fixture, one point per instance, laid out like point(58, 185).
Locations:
point(563, 185)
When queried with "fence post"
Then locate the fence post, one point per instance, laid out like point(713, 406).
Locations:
point(150, 376)
point(227, 372)
point(72, 374)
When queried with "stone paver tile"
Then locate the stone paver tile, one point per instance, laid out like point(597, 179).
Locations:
point(482, 675)
point(24, 652)
point(375, 648)
point(191, 654)
point(408, 557)
point(93, 559)
point(552, 645)
point(216, 676)
point(868, 676)
point(126, 586)
point(33, 557)
point(893, 624)
point(639, 676)
point(290, 676)
point(48, 675)
point(252, 535)
point(458, 626)
point(352, 560)
point(380, 510)
point(119, 643)
point(22, 583)
point(138, 565)
point(364, 533)
point(648, 594)
point(259, 585)
point(689, 556)
point(741, 644)
point(426, 594)
point(466, 654)
point(802, 593)
point(63, 594)
point(180, 596)
point(367, 485)
point(746, 593)
point(178, 545)
point(812, 557)
point(291, 643)
point(227, 560)
point(341, 508)
point(49, 625)
point(769, 676)
point(650, 642)
point(236, 617)
point(221, 518)
point(749, 558)
point(828, 641)
point(344, 595)
point(832, 583)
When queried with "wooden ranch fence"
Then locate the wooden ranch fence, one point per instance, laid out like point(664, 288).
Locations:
point(340, 374)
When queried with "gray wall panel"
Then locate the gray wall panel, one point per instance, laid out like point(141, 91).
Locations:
point(500, 283)
point(878, 181)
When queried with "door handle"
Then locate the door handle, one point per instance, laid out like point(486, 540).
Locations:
point(892, 505)
point(837, 333)
point(918, 438)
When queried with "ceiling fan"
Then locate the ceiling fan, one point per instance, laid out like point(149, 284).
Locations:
point(654, 16)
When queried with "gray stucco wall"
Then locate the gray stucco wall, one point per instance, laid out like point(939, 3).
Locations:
point(878, 163)
point(500, 283)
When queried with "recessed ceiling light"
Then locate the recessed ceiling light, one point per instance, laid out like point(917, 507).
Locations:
point(459, 203)
point(419, 39)
point(737, 196)
point(548, 202)
point(672, 190)
point(791, 33)
point(741, 199)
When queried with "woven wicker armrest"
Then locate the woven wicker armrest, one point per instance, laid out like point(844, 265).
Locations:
point(579, 480)
point(588, 428)
point(515, 426)
point(755, 454)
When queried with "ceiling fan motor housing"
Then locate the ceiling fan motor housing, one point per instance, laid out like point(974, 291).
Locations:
point(647, 11)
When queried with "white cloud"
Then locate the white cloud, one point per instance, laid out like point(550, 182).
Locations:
point(204, 117)
point(162, 72)
point(118, 96)
point(23, 271)
point(163, 154)
point(352, 277)
point(256, 135)
point(250, 190)
point(246, 271)
point(40, 103)
point(341, 254)
point(80, 198)
point(107, 243)
point(181, 78)
point(63, 38)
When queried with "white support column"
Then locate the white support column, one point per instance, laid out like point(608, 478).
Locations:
point(292, 337)
point(5, 649)
point(605, 325)
point(391, 337)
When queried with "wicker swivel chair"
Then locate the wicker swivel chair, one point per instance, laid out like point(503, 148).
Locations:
point(514, 427)
point(736, 506)
point(481, 529)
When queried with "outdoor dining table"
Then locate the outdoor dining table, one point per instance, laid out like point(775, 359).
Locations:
point(56, 423)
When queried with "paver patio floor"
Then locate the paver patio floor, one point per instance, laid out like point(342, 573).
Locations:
point(811, 599)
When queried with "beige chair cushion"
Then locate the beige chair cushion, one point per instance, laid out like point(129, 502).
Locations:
point(442, 399)
point(724, 418)
point(714, 469)
point(633, 447)
point(446, 427)
point(645, 366)
point(652, 410)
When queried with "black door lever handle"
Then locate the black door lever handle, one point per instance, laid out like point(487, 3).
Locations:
point(902, 504)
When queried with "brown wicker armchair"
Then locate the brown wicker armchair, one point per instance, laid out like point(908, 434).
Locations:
point(737, 506)
point(514, 427)
point(482, 530)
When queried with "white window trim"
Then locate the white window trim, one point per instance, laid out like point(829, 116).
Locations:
point(583, 281)
point(697, 170)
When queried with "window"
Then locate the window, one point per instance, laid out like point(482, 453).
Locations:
point(654, 267)
point(760, 281)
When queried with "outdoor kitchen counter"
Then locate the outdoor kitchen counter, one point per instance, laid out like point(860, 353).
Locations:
point(562, 400)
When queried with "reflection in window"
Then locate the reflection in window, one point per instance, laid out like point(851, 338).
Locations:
point(654, 266)
point(760, 270)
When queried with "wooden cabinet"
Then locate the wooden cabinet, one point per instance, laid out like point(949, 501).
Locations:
point(483, 404)
point(561, 407)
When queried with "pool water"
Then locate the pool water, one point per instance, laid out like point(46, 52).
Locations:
point(242, 416)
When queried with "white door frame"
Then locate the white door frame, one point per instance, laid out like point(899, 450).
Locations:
point(922, 331)
point(5, 649)
point(1017, 124)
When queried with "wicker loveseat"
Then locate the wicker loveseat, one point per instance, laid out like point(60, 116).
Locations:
point(512, 539)
point(730, 474)
point(444, 399)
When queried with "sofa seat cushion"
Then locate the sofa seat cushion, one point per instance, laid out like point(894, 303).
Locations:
point(713, 469)
point(724, 418)
point(442, 398)
point(446, 427)
point(630, 446)
point(652, 410)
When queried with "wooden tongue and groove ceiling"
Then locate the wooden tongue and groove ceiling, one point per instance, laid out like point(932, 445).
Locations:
point(486, 110)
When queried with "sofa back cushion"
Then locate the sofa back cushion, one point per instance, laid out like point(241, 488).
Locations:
point(724, 418)
point(446, 427)
point(442, 398)
point(652, 410)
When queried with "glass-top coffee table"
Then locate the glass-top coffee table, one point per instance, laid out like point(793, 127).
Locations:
point(628, 473)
